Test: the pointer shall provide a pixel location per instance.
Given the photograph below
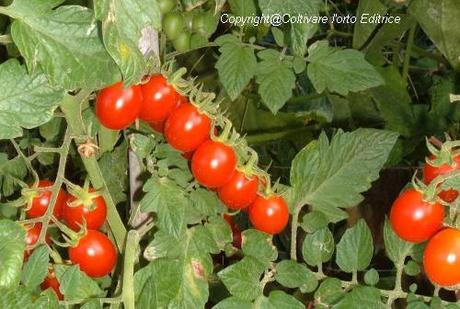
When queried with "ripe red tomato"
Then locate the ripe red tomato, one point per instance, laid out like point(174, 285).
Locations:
point(41, 202)
point(159, 99)
point(213, 164)
point(186, 128)
point(239, 192)
point(431, 172)
point(32, 236)
point(269, 214)
point(118, 107)
point(158, 126)
point(414, 219)
point(94, 214)
point(441, 259)
point(95, 254)
point(52, 282)
point(237, 239)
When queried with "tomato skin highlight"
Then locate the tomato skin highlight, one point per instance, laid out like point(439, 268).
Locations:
point(159, 99)
point(95, 254)
point(269, 214)
point(239, 192)
point(118, 107)
point(441, 259)
point(186, 128)
point(94, 218)
point(41, 202)
point(213, 164)
point(52, 282)
point(413, 219)
point(431, 172)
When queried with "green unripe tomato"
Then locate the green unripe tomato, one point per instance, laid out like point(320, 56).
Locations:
point(182, 42)
point(166, 6)
point(188, 20)
point(204, 23)
point(173, 25)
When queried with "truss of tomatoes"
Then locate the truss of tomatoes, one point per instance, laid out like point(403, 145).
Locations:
point(187, 129)
point(416, 219)
point(93, 251)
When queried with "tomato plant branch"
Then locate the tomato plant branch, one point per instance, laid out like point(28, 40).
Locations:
point(71, 109)
point(294, 227)
point(257, 138)
point(132, 242)
point(5, 39)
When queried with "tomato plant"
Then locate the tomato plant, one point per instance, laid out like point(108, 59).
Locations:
point(415, 219)
point(244, 154)
point(88, 210)
point(159, 99)
point(94, 254)
point(118, 107)
point(41, 201)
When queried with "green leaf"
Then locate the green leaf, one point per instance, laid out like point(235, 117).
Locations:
point(166, 199)
point(129, 34)
point(26, 101)
point(36, 268)
point(282, 300)
point(396, 248)
point(329, 291)
point(220, 231)
point(412, 268)
point(318, 247)
point(20, 298)
point(92, 304)
point(295, 275)
point(313, 221)
point(75, 284)
point(292, 7)
point(275, 78)
point(361, 298)
point(192, 251)
point(236, 65)
point(371, 277)
point(233, 303)
point(436, 18)
point(394, 103)
point(12, 246)
point(332, 174)
point(64, 43)
point(340, 71)
point(242, 278)
point(204, 203)
point(156, 284)
point(113, 166)
point(356, 248)
point(10, 172)
point(52, 129)
point(362, 31)
point(243, 7)
point(259, 246)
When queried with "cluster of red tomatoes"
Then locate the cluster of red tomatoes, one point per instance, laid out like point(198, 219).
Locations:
point(94, 252)
point(417, 219)
point(186, 128)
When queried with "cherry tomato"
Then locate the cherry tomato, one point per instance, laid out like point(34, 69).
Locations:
point(158, 126)
point(213, 164)
point(159, 99)
point(186, 128)
point(173, 25)
point(269, 214)
point(239, 192)
point(166, 6)
point(41, 202)
point(118, 107)
point(95, 254)
point(235, 231)
point(414, 219)
point(182, 42)
point(431, 172)
point(441, 259)
point(94, 214)
point(52, 282)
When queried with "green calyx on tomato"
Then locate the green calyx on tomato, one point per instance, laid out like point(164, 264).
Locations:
point(38, 199)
